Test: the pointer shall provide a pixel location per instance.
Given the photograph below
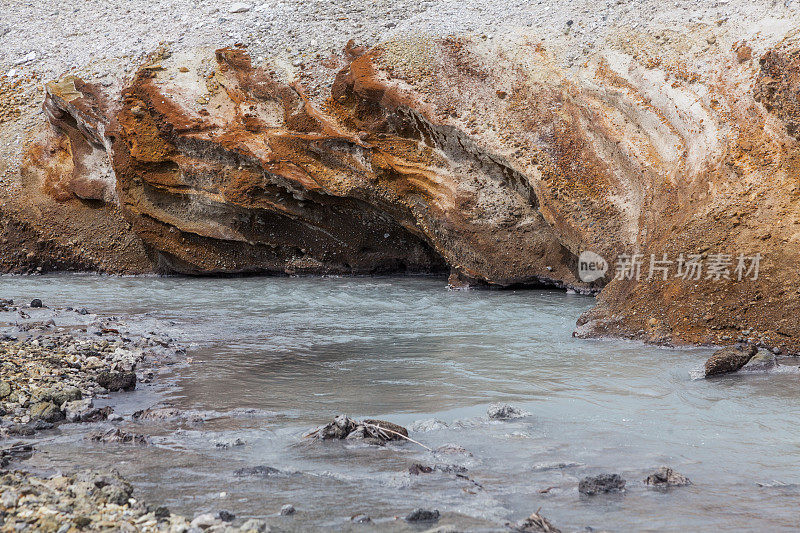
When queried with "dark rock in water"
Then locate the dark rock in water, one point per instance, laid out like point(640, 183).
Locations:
point(763, 361)
point(361, 519)
point(116, 435)
point(117, 381)
point(260, 470)
point(729, 359)
point(666, 477)
point(535, 523)
point(423, 515)
point(370, 431)
point(288, 509)
point(36, 302)
point(226, 516)
point(83, 311)
point(340, 428)
point(393, 431)
point(417, 469)
point(601, 484)
point(504, 412)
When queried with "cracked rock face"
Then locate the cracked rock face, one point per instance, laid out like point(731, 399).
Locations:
point(484, 158)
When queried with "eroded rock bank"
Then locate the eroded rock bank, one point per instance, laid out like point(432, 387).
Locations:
point(482, 157)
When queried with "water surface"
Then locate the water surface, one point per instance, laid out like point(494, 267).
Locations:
point(273, 357)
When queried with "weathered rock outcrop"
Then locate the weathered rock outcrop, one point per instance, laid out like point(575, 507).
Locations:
point(489, 160)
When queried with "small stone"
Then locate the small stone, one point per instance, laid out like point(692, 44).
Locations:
point(36, 302)
point(81, 521)
point(5, 389)
point(31, 56)
point(288, 509)
point(226, 516)
point(423, 515)
point(360, 519)
point(535, 523)
point(666, 477)
point(603, 483)
point(161, 513)
point(239, 7)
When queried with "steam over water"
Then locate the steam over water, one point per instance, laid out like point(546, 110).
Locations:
point(272, 358)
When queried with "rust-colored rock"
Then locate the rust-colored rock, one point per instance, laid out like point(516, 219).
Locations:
point(488, 160)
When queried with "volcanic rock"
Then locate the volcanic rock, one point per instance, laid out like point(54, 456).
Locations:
point(666, 477)
point(603, 483)
point(729, 359)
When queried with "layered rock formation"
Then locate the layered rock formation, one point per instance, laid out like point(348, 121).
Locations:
point(486, 158)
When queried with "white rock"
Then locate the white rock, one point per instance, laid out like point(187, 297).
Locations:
point(240, 7)
point(73, 410)
point(12, 73)
point(205, 521)
point(27, 59)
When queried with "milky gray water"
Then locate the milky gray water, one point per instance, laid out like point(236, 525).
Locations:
point(270, 358)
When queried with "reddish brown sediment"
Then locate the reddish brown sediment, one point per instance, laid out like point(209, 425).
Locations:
point(451, 154)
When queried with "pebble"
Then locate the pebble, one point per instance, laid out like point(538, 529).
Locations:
point(26, 59)
point(240, 7)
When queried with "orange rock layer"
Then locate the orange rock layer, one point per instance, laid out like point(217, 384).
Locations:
point(487, 161)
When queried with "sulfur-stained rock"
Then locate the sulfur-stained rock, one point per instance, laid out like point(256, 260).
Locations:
point(492, 163)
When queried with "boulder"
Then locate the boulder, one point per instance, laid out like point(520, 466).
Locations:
point(729, 359)
point(393, 431)
point(66, 394)
point(666, 477)
point(46, 411)
point(117, 381)
point(604, 483)
point(370, 431)
point(763, 361)
point(74, 409)
point(205, 521)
